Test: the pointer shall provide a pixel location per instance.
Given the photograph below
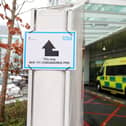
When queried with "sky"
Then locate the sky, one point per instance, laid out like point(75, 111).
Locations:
point(34, 4)
point(28, 6)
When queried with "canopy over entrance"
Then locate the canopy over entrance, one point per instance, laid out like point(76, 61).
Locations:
point(101, 18)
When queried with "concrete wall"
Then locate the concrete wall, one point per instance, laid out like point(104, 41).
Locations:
point(86, 66)
point(76, 104)
point(55, 96)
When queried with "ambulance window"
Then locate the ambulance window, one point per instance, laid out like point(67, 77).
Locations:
point(121, 70)
point(116, 70)
point(101, 71)
point(110, 70)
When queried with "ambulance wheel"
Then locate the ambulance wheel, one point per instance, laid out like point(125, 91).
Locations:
point(98, 86)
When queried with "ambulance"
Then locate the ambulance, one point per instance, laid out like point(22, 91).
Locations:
point(112, 76)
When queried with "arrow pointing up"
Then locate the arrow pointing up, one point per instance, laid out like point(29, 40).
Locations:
point(49, 45)
point(48, 49)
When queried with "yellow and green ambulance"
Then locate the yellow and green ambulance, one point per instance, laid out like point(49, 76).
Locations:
point(112, 76)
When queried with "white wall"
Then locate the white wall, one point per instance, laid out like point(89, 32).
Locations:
point(76, 102)
point(55, 96)
point(46, 91)
point(48, 106)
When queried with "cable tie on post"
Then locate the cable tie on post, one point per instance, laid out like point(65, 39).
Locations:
point(30, 67)
point(67, 68)
point(31, 31)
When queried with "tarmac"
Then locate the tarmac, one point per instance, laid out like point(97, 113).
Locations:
point(103, 109)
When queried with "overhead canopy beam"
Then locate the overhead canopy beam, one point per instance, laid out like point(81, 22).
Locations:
point(106, 22)
point(105, 35)
point(102, 25)
point(98, 30)
point(111, 2)
point(102, 28)
point(104, 14)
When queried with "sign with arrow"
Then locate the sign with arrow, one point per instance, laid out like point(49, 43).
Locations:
point(50, 51)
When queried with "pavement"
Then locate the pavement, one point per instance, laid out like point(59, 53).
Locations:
point(114, 97)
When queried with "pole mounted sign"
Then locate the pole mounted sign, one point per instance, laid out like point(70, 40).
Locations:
point(50, 50)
